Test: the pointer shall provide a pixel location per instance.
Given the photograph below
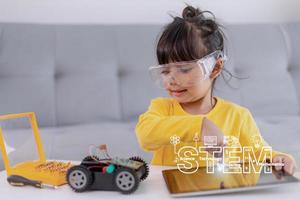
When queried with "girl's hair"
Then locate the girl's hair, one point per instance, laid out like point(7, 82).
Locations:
point(191, 37)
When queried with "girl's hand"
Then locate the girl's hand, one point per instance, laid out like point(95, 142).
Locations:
point(288, 162)
point(210, 129)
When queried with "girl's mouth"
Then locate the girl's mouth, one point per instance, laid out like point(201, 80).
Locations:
point(178, 93)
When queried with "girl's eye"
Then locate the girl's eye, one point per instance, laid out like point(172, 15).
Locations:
point(185, 70)
point(164, 72)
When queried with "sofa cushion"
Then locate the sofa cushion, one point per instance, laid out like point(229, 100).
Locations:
point(281, 132)
point(72, 142)
point(27, 71)
point(87, 87)
point(136, 50)
point(260, 56)
point(291, 32)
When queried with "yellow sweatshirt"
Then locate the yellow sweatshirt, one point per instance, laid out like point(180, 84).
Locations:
point(165, 118)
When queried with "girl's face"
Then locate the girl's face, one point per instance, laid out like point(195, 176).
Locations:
point(186, 94)
point(187, 85)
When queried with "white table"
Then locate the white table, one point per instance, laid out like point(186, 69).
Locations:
point(153, 188)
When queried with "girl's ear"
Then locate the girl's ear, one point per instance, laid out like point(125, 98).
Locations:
point(217, 69)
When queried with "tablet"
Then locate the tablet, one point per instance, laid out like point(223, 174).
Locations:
point(200, 182)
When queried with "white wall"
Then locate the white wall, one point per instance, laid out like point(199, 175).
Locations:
point(144, 11)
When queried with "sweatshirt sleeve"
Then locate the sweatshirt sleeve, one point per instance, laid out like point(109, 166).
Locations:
point(250, 136)
point(155, 126)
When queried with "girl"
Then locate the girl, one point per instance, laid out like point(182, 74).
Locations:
point(190, 55)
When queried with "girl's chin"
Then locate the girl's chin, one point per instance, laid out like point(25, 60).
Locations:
point(181, 99)
point(185, 99)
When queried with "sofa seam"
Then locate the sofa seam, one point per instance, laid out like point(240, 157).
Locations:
point(119, 74)
point(287, 43)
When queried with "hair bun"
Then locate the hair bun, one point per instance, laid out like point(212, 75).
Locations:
point(191, 12)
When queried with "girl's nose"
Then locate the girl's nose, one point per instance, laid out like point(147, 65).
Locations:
point(173, 81)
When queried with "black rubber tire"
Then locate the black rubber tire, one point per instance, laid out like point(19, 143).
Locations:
point(146, 167)
point(87, 178)
point(126, 188)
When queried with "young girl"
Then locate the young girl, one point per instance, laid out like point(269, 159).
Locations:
point(190, 53)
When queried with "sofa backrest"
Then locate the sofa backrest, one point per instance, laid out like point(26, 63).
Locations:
point(70, 74)
point(261, 55)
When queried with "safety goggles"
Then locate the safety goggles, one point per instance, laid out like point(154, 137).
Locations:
point(187, 73)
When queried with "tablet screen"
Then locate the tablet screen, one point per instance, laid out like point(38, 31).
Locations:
point(200, 181)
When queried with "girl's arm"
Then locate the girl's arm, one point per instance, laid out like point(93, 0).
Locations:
point(251, 136)
point(155, 127)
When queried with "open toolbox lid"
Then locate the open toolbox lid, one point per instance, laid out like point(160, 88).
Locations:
point(32, 166)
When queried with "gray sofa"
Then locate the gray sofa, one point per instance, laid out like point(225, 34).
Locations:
point(88, 83)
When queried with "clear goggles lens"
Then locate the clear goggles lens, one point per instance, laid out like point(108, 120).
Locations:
point(185, 74)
